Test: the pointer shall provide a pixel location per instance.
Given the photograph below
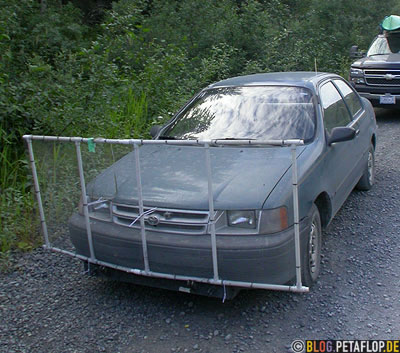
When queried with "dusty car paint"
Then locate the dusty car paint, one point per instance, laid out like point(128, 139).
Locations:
point(244, 178)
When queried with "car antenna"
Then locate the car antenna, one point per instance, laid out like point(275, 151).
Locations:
point(315, 65)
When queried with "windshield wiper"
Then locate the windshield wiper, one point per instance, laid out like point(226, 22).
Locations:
point(165, 137)
point(234, 138)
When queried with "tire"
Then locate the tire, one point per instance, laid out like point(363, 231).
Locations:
point(311, 254)
point(368, 178)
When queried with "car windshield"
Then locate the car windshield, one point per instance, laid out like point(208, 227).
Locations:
point(256, 112)
point(385, 45)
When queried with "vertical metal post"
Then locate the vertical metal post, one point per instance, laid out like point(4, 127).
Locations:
point(212, 213)
point(84, 199)
point(37, 192)
point(296, 216)
point(141, 210)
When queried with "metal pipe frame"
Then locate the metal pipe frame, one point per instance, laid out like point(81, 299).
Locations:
point(38, 195)
point(206, 144)
point(219, 282)
point(212, 213)
point(216, 142)
point(84, 199)
point(141, 209)
point(296, 216)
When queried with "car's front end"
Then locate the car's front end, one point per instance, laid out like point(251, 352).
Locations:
point(381, 86)
point(255, 244)
point(377, 76)
point(185, 250)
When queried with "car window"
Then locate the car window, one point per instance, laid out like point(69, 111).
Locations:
point(351, 98)
point(335, 111)
point(256, 112)
point(385, 45)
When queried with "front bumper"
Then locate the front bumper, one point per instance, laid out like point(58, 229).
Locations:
point(374, 98)
point(259, 258)
point(373, 93)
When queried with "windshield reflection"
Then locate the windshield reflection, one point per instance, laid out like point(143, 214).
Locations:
point(262, 112)
point(386, 45)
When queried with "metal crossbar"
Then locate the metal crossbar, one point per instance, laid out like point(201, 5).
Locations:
point(206, 144)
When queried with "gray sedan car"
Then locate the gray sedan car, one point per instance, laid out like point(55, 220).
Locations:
point(252, 185)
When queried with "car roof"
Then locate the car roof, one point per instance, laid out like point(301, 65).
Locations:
point(306, 79)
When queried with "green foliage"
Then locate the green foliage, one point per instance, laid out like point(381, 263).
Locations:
point(128, 118)
point(142, 59)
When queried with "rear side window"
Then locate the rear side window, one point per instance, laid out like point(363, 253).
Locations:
point(351, 98)
point(335, 111)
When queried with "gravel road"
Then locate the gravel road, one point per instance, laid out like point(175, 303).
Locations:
point(47, 304)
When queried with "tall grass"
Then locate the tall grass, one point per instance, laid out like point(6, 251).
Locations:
point(129, 120)
point(19, 223)
point(18, 229)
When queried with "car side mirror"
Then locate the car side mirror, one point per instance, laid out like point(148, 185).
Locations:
point(355, 53)
point(154, 130)
point(339, 134)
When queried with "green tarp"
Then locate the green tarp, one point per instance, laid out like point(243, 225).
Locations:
point(391, 23)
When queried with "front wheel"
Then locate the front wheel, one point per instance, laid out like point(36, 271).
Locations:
point(368, 177)
point(311, 254)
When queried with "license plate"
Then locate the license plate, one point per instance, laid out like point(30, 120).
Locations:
point(387, 99)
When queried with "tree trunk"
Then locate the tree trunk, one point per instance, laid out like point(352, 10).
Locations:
point(43, 6)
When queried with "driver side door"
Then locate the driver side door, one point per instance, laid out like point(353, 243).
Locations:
point(339, 160)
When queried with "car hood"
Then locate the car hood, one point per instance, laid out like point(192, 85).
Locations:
point(379, 61)
point(176, 177)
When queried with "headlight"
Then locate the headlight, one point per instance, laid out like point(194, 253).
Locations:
point(274, 220)
point(98, 209)
point(356, 72)
point(255, 221)
point(357, 80)
point(242, 219)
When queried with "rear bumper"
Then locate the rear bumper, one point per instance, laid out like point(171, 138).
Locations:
point(258, 259)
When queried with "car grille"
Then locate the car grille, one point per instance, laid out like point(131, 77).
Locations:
point(382, 77)
point(382, 81)
point(161, 219)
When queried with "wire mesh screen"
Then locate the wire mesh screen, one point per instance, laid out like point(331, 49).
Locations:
point(59, 184)
point(59, 181)
point(144, 207)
